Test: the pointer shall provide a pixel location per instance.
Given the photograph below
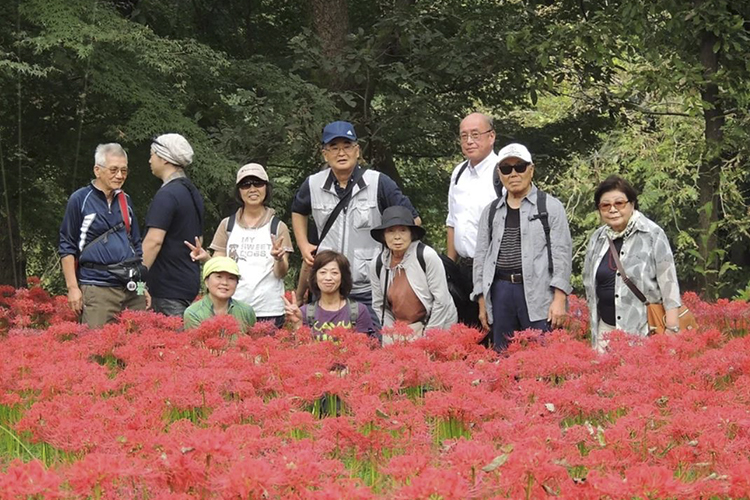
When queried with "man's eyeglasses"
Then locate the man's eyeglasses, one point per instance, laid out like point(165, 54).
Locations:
point(619, 205)
point(346, 148)
point(248, 183)
point(113, 170)
point(474, 136)
point(506, 169)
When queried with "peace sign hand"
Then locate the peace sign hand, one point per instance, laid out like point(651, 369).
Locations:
point(277, 248)
point(292, 311)
point(197, 252)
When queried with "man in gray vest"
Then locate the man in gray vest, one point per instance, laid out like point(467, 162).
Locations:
point(361, 196)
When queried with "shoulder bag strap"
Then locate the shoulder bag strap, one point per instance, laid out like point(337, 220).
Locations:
point(341, 204)
point(124, 223)
point(124, 210)
point(103, 236)
point(625, 278)
point(191, 191)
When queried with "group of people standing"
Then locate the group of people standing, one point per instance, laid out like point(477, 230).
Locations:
point(365, 265)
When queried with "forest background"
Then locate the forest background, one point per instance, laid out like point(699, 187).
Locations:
point(656, 90)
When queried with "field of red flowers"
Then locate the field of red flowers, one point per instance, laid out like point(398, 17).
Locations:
point(138, 409)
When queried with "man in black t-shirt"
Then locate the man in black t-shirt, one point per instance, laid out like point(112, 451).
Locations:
point(175, 216)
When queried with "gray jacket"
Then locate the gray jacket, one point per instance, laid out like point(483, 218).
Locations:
point(538, 284)
point(430, 286)
point(647, 260)
point(350, 234)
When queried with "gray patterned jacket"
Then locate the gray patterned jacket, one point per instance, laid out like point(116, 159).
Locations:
point(647, 259)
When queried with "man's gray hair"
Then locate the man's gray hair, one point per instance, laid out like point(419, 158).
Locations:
point(104, 150)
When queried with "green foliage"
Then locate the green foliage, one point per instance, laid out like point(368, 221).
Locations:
point(592, 89)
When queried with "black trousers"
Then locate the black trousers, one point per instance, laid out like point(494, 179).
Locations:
point(469, 313)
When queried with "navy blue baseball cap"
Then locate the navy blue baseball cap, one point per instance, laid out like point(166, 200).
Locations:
point(334, 130)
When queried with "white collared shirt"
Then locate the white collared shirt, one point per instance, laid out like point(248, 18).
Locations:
point(467, 199)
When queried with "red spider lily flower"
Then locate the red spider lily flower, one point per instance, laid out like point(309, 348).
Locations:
point(29, 480)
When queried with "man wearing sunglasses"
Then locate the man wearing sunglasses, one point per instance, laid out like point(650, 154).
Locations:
point(175, 216)
point(346, 201)
point(470, 190)
point(523, 261)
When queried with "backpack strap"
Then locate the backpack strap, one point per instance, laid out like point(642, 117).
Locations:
point(491, 219)
point(378, 264)
point(353, 312)
point(230, 223)
point(420, 256)
point(311, 307)
point(543, 216)
point(233, 219)
point(461, 171)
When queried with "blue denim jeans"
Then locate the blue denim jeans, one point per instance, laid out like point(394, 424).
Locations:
point(510, 313)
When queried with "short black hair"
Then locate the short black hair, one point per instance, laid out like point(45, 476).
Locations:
point(324, 258)
point(266, 200)
point(615, 183)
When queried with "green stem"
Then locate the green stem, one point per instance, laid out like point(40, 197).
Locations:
point(20, 443)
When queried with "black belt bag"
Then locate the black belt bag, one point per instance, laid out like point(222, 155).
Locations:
point(128, 272)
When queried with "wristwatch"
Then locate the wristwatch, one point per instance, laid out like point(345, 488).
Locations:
point(675, 329)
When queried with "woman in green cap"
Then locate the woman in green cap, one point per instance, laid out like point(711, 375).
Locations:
point(220, 274)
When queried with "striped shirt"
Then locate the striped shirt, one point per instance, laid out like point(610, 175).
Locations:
point(509, 257)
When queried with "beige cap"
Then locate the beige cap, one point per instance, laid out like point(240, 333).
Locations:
point(252, 169)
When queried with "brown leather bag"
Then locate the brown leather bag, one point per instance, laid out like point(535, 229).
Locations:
point(657, 320)
point(655, 313)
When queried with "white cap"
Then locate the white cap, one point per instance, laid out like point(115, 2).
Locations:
point(514, 150)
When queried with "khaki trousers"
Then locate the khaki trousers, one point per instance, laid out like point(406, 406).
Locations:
point(102, 303)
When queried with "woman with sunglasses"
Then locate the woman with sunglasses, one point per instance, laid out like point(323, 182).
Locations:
point(258, 241)
point(646, 258)
point(523, 258)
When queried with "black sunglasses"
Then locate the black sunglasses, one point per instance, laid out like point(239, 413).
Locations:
point(518, 167)
point(248, 183)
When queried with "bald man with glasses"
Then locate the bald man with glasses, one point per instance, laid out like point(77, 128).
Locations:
point(471, 189)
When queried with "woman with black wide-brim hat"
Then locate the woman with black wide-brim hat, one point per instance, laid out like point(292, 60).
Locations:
point(408, 278)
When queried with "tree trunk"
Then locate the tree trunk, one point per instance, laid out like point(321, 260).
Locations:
point(12, 266)
point(330, 19)
point(709, 172)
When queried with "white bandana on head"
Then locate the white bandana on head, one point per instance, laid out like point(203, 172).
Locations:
point(174, 148)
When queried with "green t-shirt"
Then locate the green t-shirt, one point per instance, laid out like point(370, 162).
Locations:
point(200, 311)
